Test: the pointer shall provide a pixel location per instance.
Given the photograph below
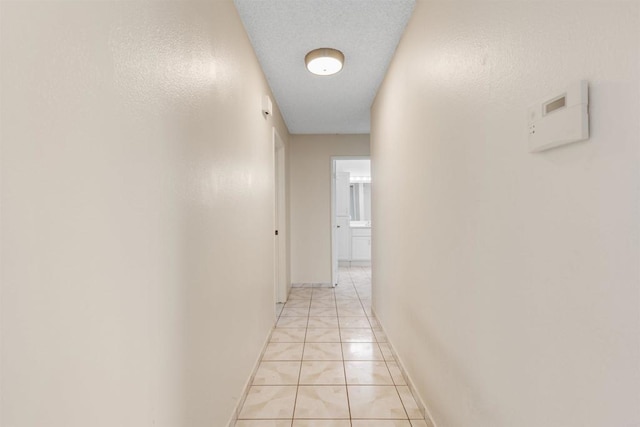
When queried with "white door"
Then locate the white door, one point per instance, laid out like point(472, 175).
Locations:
point(334, 227)
point(280, 231)
point(344, 238)
point(343, 235)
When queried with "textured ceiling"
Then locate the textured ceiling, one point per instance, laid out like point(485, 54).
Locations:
point(366, 31)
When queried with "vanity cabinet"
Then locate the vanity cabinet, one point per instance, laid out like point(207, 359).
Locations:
point(361, 244)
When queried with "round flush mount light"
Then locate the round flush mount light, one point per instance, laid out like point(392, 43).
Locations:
point(324, 61)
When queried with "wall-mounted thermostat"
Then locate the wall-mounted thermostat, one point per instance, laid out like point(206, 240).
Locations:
point(560, 119)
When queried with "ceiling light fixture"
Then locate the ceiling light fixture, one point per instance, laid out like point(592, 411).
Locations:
point(324, 61)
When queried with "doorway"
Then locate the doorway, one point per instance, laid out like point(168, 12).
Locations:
point(350, 213)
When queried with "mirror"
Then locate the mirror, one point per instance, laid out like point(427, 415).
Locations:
point(360, 201)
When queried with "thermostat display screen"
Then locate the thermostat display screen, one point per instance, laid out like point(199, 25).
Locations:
point(556, 104)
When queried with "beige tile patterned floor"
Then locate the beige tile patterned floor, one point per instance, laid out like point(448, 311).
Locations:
point(328, 364)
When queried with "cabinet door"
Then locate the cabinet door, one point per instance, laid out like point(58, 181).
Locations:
point(344, 238)
point(342, 194)
point(360, 248)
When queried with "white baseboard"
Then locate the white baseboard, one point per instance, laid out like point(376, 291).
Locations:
point(247, 385)
point(424, 410)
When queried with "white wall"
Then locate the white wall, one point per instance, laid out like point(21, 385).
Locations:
point(507, 281)
point(310, 202)
point(137, 185)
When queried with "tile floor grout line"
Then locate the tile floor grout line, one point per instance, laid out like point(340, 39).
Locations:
point(403, 405)
point(304, 346)
point(344, 368)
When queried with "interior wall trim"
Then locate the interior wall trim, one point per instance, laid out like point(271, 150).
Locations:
point(247, 385)
point(419, 401)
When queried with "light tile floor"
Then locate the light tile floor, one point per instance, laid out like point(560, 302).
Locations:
point(328, 364)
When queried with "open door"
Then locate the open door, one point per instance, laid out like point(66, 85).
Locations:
point(350, 212)
point(334, 227)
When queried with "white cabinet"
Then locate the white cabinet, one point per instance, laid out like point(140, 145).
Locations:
point(360, 244)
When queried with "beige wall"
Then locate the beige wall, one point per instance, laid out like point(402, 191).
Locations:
point(508, 281)
point(310, 203)
point(137, 186)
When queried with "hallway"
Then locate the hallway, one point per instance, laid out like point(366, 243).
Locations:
point(328, 364)
point(155, 183)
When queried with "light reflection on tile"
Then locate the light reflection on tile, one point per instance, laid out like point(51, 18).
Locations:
point(367, 373)
point(354, 322)
point(357, 335)
point(361, 351)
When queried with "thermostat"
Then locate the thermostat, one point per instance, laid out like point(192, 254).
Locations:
point(560, 119)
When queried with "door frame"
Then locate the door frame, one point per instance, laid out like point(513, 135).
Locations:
point(333, 222)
